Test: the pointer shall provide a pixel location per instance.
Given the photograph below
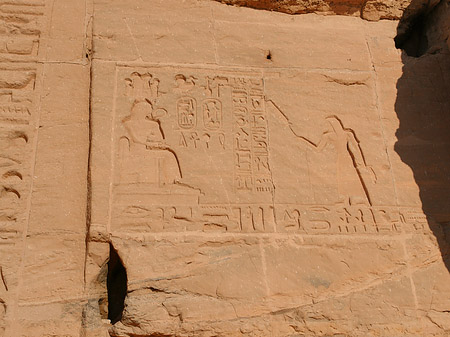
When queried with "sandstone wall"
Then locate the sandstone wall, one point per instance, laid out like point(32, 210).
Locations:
point(44, 114)
point(187, 168)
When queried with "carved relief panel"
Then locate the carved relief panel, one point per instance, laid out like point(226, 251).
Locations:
point(20, 34)
point(193, 152)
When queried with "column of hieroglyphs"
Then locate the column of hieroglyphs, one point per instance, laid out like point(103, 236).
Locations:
point(44, 88)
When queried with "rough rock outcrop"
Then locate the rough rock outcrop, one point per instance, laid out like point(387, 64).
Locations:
point(425, 29)
point(372, 10)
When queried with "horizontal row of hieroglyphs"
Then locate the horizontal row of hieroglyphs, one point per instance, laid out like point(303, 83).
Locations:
point(267, 219)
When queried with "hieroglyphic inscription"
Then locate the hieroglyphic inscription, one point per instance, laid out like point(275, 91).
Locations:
point(14, 177)
point(212, 114)
point(342, 219)
point(20, 30)
point(187, 112)
point(202, 140)
point(251, 218)
point(199, 118)
point(21, 24)
point(16, 95)
point(193, 155)
point(20, 33)
point(17, 86)
point(252, 172)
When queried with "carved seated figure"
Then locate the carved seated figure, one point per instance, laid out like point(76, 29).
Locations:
point(145, 158)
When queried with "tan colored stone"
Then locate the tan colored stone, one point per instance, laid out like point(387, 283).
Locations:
point(186, 168)
point(318, 231)
point(44, 146)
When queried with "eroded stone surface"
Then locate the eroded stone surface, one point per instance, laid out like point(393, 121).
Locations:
point(43, 147)
point(251, 173)
point(369, 10)
point(252, 188)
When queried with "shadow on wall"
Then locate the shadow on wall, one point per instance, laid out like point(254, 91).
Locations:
point(423, 108)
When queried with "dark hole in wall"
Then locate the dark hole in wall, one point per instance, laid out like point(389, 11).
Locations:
point(413, 40)
point(117, 286)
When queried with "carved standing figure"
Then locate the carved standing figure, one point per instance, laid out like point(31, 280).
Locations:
point(352, 172)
